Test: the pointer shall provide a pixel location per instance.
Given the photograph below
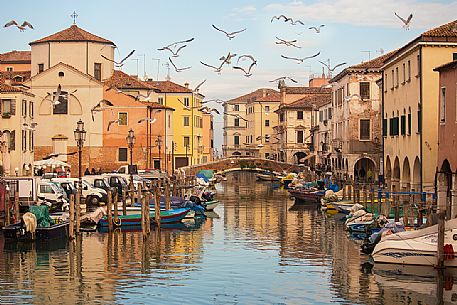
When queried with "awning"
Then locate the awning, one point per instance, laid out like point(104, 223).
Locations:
point(51, 162)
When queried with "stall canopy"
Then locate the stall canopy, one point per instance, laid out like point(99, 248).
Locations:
point(50, 162)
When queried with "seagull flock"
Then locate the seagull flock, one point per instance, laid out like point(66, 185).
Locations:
point(175, 49)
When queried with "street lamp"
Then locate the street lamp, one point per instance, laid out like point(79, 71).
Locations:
point(131, 141)
point(80, 137)
point(159, 146)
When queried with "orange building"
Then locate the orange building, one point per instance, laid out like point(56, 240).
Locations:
point(208, 137)
point(15, 61)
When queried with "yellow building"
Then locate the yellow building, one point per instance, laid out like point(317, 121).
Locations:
point(187, 146)
point(410, 108)
point(208, 138)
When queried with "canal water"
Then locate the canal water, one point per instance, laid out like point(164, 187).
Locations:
point(258, 247)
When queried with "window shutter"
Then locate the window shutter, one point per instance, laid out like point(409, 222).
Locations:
point(384, 127)
point(409, 123)
point(12, 144)
point(403, 125)
point(13, 107)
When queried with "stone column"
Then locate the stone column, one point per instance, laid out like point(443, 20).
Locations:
point(453, 198)
point(442, 188)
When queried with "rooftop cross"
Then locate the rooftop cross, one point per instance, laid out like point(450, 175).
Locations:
point(74, 16)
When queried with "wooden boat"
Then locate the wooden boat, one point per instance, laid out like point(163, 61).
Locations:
point(307, 196)
point(16, 232)
point(135, 210)
point(211, 205)
point(168, 216)
point(266, 177)
point(417, 247)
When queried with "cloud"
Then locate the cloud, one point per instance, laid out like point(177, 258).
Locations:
point(244, 12)
point(368, 13)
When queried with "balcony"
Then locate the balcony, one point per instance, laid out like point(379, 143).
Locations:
point(356, 146)
point(6, 115)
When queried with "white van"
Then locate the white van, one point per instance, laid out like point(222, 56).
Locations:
point(91, 195)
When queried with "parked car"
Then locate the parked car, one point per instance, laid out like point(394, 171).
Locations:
point(117, 181)
point(100, 182)
point(91, 195)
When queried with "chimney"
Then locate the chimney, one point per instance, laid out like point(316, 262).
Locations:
point(264, 92)
point(186, 85)
point(323, 72)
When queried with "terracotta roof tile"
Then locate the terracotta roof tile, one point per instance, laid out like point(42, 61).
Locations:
point(447, 66)
point(309, 101)
point(73, 33)
point(445, 30)
point(262, 94)
point(16, 57)
point(16, 77)
point(169, 87)
point(306, 90)
point(155, 105)
point(122, 80)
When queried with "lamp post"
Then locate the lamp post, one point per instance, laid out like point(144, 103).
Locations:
point(159, 146)
point(131, 141)
point(80, 137)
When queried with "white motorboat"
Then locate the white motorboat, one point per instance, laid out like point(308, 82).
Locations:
point(416, 247)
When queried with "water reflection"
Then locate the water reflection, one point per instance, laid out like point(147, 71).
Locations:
point(256, 248)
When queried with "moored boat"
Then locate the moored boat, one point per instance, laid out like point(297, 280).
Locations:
point(266, 177)
point(17, 232)
point(168, 216)
point(308, 196)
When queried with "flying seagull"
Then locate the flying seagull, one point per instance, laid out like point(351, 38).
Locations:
point(208, 110)
point(224, 59)
point(219, 101)
point(199, 85)
point(230, 35)
point(289, 43)
point(236, 116)
point(174, 53)
point(121, 63)
point(318, 28)
point(332, 69)
point(21, 27)
point(243, 57)
point(283, 78)
point(149, 120)
point(142, 97)
point(186, 107)
point(101, 105)
point(173, 45)
point(112, 122)
point(59, 154)
point(176, 68)
point(248, 72)
point(301, 60)
point(287, 19)
point(406, 22)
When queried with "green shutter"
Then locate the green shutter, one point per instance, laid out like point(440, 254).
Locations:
point(384, 127)
point(391, 125)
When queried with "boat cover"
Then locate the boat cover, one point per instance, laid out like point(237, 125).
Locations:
point(208, 173)
point(41, 213)
point(450, 224)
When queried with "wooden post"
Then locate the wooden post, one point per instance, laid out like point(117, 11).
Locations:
point(116, 212)
point(420, 214)
point(71, 230)
point(344, 191)
point(17, 213)
point(109, 214)
point(441, 229)
point(380, 203)
point(349, 192)
point(167, 196)
point(406, 205)
point(142, 201)
point(124, 202)
point(372, 199)
point(147, 206)
point(157, 206)
point(397, 207)
point(78, 211)
point(365, 196)
point(8, 208)
point(174, 192)
point(132, 195)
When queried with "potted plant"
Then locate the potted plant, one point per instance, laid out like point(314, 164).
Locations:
point(6, 115)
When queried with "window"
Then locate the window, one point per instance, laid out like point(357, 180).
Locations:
point(300, 138)
point(404, 74)
point(122, 154)
point(330, 113)
point(12, 141)
point(364, 129)
point(9, 69)
point(364, 90)
point(393, 80)
point(267, 155)
point(186, 141)
point(418, 66)
point(169, 121)
point(186, 102)
point(62, 107)
point(281, 117)
point(24, 108)
point(443, 105)
point(384, 127)
point(8, 107)
point(409, 121)
point(31, 140)
point(123, 118)
point(321, 116)
point(454, 56)
point(236, 140)
point(40, 68)
point(24, 140)
point(385, 82)
point(419, 119)
point(409, 70)
point(299, 115)
point(31, 109)
point(397, 80)
point(237, 122)
point(46, 189)
point(61, 74)
point(267, 123)
point(186, 121)
point(212, 143)
point(98, 71)
point(267, 109)
point(236, 107)
point(403, 124)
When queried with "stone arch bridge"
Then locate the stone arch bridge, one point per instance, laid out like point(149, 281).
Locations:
point(244, 164)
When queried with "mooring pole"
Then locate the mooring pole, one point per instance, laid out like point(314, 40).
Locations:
point(441, 231)
point(124, 202)
point(71, 230)
point(109, 214)
point(78, 211)
point(17, 213)
point(157, 206)
point(167, 195)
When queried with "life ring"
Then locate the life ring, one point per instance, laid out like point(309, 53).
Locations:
point(117, 224)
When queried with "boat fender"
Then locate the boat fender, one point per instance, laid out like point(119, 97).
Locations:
point(448, 252)
point(118, 224)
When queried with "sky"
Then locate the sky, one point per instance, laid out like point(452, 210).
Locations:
point(354, 31)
